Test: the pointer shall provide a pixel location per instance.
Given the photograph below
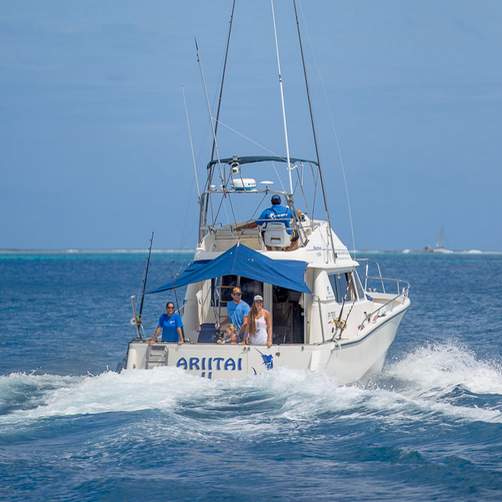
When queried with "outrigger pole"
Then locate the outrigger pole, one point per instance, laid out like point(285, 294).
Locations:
point(323, 189)
point(205, 196)
point(283, 106)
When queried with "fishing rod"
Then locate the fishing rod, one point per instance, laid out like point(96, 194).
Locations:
point(204, 200)
point(139, 321)
point(216, 151)
point(178, 310)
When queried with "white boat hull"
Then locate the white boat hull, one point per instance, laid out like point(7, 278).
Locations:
point(347, 361)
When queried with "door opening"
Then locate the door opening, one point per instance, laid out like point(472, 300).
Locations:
point(287, 314)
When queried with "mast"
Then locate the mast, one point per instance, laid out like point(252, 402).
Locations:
point(204, 200)
point(283, 107)
point(314, 134)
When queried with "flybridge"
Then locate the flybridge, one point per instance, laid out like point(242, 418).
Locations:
point(234, 181)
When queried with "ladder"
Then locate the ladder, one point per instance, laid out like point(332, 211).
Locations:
point(156, 355)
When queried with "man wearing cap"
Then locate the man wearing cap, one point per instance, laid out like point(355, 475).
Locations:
point(237, 311)
point(277, 212)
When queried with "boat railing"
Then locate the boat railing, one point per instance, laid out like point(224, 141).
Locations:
point(395, 290)
point(223, 236)
point(386, 285)
point(399, 297)
point(374, 281)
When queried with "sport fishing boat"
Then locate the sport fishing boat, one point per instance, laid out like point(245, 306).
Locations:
point(329, 313)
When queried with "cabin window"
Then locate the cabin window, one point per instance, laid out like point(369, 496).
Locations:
point(223, 290)
point(342, 285)
point(250, 288)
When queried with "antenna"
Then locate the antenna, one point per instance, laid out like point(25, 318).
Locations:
point(191, 143)
point(281, 87)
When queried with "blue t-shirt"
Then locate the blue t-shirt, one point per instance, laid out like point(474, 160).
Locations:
point(236, 313)
point(169, 324)
point(278, 213)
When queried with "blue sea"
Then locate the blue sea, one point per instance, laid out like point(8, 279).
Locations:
point(71, 428)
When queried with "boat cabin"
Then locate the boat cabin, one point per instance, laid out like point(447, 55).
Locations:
point(300, 297)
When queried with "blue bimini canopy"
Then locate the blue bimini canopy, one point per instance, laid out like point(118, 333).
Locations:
point(243, 261)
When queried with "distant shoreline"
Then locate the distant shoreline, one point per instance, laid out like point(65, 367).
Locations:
point(90, 251)
point(119, 251)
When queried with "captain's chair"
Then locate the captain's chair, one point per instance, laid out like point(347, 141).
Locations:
point(276, 235)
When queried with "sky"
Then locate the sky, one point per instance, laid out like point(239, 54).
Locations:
point(94, 149)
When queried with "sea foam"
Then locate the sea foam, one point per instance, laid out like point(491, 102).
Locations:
point(415, 388)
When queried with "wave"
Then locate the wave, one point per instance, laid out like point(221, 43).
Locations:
point(445, 366)
point(433, 383)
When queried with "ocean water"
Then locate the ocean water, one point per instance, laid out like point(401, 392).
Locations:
point(428, 428)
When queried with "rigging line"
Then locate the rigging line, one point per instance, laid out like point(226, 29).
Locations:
point(223, 73)
point(184, 222)
point(211, 118)
point(259, 145)
point(223, 196)
point(335, 134)
point(232, 208)
point(301, 188)
point(214, 147)
point(278, 176)
point(314, 130)
point(251, 140)
point(283, 106)
point(191, 144)
point(315, 178)
point(258, 206)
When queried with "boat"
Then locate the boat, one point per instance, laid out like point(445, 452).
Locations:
point(439, 248)
point(330, 312)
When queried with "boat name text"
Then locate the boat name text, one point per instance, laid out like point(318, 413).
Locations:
point(210, 363)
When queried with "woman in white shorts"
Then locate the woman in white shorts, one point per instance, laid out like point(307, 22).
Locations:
point(259, 326)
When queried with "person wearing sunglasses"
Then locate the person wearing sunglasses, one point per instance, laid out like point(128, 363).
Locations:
point(237, 312)
point(170, 325)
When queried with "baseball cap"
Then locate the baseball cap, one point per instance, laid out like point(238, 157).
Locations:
point(258, 298)
point(276, 199)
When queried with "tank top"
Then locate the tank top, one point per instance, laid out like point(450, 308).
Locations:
point(260, 337)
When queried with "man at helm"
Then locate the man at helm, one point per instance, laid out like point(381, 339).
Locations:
point(276, 213)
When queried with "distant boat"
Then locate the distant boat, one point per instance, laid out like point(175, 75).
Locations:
point(439, 247)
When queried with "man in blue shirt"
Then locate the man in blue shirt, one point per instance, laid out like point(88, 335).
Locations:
point(277, 212)
point(171, 326)
point(237, 311)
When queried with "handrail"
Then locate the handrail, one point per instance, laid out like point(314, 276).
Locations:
point(401, 292)
point(400, 283)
